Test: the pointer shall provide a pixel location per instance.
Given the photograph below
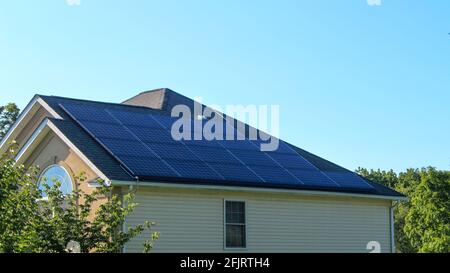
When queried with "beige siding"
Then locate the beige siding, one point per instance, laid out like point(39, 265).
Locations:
point(192, 221)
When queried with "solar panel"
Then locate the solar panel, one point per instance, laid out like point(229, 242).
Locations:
point(195, 169)
point(127, 147)
point(136, 119)
point(212, 154)
point(107, 130)
point(172, 151)
point(349, 180)
point(313, 178)
point(239, 144)
point(148, 135)
point(236, 172)
point(291, 161)
point(142, 142)
point(253, 157)
point(148, 166)
point(275, 175)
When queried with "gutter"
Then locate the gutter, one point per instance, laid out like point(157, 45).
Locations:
point(168, 185)
point(392, 225)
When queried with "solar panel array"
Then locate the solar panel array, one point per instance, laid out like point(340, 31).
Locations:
point(142, 142)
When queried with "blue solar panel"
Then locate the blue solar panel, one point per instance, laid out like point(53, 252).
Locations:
point(235, 172)
point(127, 147)
point(349, 180)
point(196, 170)
point(212, 154)
point(282, 147)
point(149, 135)
point(148, 166)
point(172, 151)
point(239, 144)
point(292, 161)
point(275, 175)
point(106, 130)
point(203, 143)
point(143, 143)
point(253, 157)
point(86, 113)
point(136, 119)
point(313, 178)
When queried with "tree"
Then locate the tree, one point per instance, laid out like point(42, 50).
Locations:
point(422, 222)
point(8, 115)
point(427, 222)
point(386, 178)
point(394, 181)
point(30, 224)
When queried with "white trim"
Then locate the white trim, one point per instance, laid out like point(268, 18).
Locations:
point(225, 225)
point(32, 139)
point(24, 113)
point(255, 189)
point(48, 108)
point(19, 120)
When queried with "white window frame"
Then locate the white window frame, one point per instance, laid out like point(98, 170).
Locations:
point(64, 169)
point(225, 225)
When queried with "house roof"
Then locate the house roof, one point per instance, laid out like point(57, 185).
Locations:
point(115, 169)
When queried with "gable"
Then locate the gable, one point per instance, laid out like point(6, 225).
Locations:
point(53, 150)
point(28, 121)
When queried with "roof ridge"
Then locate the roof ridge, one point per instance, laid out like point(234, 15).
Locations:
point(99, 102)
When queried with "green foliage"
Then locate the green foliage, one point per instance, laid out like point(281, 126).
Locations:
point(427, 223)
point(8, 115)
point(30, 224)
point(422, 224)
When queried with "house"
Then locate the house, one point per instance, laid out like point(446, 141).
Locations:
point(206, 196)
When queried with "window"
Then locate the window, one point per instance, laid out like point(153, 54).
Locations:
point(56, 173)
point(235, 229)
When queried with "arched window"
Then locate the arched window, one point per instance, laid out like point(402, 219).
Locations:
point(56, 173)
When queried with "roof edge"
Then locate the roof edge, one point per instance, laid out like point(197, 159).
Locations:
point(162, 184)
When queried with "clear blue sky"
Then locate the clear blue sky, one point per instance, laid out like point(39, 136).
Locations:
point(357, 84)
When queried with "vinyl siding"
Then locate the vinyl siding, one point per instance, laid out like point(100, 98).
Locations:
point(192, 221)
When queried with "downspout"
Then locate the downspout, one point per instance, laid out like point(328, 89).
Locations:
point(131, 188)
point(392, 229)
